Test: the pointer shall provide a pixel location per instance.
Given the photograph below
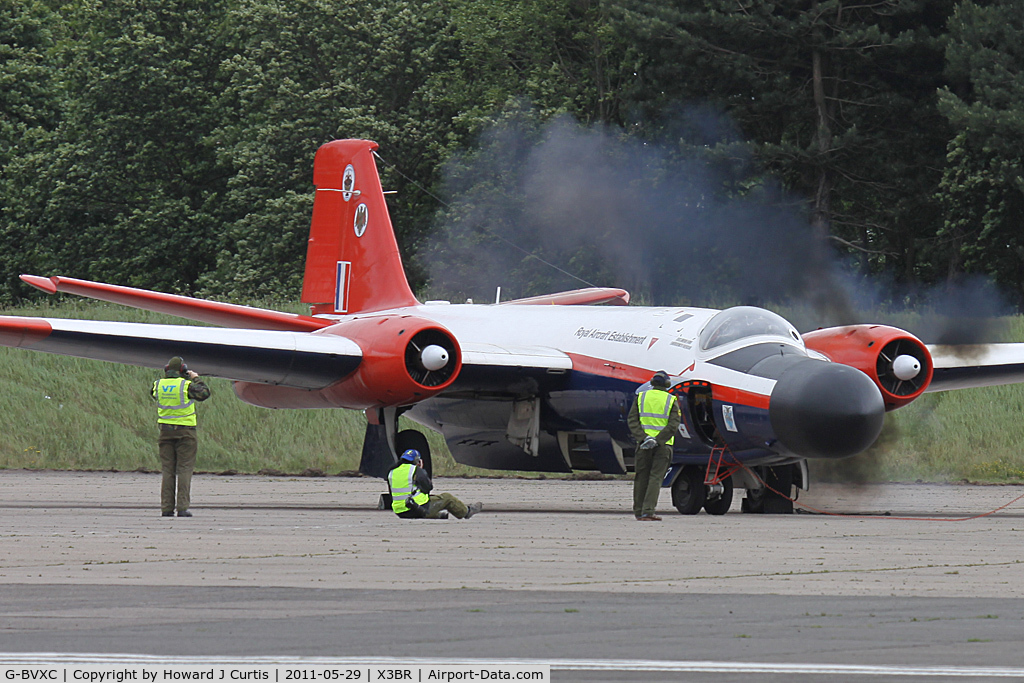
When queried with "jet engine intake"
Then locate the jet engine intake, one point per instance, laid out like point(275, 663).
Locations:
point(894, 359)
point(429, 357)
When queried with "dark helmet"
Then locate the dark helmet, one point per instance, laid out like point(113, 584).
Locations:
point(660, 380)
point(411, 455)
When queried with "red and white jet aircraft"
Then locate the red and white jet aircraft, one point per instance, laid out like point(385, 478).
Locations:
point(538, 384)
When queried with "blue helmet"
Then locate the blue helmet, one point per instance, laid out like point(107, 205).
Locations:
point(411, 455)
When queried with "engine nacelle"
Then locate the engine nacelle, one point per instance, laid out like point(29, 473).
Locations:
point(405, 359)
point(896, 360)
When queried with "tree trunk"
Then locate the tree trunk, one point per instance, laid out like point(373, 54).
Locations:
point(821, 214)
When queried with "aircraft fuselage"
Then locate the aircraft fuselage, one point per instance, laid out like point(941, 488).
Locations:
point(548, 388)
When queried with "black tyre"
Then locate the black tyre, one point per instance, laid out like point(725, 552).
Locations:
point(410, 438)
point(778, 496)
point(753, 501)
point(775, 498)
point(688, 491)
point(721, 504)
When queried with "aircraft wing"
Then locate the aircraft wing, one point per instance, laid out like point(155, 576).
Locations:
point(980, 365)
point(476, 354)
point(293, 359)
point(577, 297)
point(508, 370)
point(212, 312)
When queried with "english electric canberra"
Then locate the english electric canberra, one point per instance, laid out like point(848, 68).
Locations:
point(540, 384)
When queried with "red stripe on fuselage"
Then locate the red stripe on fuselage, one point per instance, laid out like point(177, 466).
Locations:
point(607, 368)
point(631, 373)
point(739, 396)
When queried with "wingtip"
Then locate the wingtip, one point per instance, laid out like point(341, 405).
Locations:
point(48, 285)
point(21, 331)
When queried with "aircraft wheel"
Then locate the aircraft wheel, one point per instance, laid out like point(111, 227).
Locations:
point(410, 438)
point(688, 491)
point(753, 501)
point(767, 501)
point(721, 504)
point(779, 478)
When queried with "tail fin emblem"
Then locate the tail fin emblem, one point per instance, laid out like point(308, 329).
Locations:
point(341, 287)
point(348, 182)
point(359, 224)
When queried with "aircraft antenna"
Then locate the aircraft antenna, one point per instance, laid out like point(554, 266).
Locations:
point(491, 232)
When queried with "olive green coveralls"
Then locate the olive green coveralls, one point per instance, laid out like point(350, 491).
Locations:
point(178, 445)
point(409, 481)
point(654, 413)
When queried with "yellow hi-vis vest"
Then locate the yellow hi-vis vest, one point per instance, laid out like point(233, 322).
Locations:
point(173, 404)
point(403, 485)
point(655, 406)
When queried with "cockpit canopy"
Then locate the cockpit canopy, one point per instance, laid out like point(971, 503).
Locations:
point(741, 322)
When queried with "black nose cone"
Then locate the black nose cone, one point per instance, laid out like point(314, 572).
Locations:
point(826, 410)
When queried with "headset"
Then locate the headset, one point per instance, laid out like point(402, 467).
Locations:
point(183, 372)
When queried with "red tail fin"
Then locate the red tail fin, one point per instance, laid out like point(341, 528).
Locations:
point(352, 262)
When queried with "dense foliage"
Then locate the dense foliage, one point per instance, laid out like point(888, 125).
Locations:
point(695, 150)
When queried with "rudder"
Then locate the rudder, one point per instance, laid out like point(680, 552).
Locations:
point(352, 259)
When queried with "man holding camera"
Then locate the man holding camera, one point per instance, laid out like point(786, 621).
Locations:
point(175, 394)
point(653, 420)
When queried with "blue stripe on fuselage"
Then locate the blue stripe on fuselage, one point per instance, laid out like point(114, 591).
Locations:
point(581, 401)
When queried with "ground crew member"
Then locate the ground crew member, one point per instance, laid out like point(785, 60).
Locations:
point(653, 421)
point(175, 395)
point(410, 492)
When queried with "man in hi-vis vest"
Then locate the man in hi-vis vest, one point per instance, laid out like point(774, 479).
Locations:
point(175, 395)
point(653, 421)
point(410, 492)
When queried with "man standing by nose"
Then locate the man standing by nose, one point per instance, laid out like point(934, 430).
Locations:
point(653, 421)
point(175, 394)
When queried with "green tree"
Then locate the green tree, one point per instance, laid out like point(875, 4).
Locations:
point(527, 70)
point(27, 91)
point(562, 56)
point(983, 184)
point(836, 99)
point(127, 190)
point(29, 111)
point(306, 73)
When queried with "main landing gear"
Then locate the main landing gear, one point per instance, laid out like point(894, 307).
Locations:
point(768, 488)
point(410, 438)
point(383, 444)
point(773, 498)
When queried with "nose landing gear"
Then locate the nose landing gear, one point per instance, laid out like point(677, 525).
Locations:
point(688, 492)
point(709, 488)
point(720, 504)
